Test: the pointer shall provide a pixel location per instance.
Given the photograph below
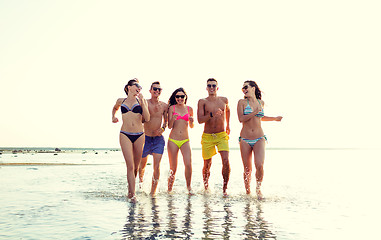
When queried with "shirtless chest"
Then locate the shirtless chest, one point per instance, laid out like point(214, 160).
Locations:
point(213, 106)
point(156, 110)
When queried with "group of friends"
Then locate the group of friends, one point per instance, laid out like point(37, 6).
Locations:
point(144, 122)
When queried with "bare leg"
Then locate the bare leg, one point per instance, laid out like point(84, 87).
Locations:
point(142, 169)
point(246, 155)
point(138, 151)
point(225, 169)
point(173, 152)
point(127, 150)
point(259, 159)
point(206, 172)
point(187, 158)
point(156, 171)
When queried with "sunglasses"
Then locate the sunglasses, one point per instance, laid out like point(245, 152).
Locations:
point(212, 85)
point(137, 85)
point(180, 96)
point(156, 89)
point(245, 87)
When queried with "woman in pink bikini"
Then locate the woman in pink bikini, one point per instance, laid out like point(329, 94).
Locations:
point(180, 116)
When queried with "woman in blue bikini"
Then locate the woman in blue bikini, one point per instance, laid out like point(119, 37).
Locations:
point(134, 111)
point(180, 116)
point(252, 138)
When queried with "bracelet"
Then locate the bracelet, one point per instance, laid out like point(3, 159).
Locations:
point(163, 129)
point(211, 114)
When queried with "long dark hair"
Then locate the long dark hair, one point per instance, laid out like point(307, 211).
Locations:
point(130, 83)
point(172, 99)
point(258, 92)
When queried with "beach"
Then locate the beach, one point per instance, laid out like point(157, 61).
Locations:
point(309, 194)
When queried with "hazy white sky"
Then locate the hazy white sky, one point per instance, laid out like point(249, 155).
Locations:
point(63, 64)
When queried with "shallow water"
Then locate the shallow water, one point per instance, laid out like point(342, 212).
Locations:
point(309, 194)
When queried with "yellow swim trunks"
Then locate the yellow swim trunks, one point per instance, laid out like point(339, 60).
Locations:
point(210, 141)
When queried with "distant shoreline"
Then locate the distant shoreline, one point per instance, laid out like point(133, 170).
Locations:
point(24, 150)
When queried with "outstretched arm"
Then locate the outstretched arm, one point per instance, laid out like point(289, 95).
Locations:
point(266, 118)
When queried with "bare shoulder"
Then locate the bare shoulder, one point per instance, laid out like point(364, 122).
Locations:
point(119, 101)
point(262, 102)
point(241, 101)
point(224, 99)
point(163, 105)
point(202, 101)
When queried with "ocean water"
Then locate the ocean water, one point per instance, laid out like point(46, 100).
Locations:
point(309, 194)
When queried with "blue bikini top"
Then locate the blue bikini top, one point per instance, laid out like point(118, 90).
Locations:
point(248, 110)
point(136, 108)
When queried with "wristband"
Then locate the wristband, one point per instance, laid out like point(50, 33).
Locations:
point(211, 114)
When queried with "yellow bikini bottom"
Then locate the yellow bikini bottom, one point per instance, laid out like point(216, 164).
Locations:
point(178, 143)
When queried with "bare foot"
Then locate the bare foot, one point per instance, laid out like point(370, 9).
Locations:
point(259, 193)
point(133, 199)
point(225, 195)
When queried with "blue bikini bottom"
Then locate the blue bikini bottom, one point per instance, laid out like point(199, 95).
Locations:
point(252, 142)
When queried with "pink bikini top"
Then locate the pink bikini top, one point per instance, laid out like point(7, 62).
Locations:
point(185, 117)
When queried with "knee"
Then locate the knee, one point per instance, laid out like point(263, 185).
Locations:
point(172, 172)
point(259, 166)
point(247, 170)
point(188, 166)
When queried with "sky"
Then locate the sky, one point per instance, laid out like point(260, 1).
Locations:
point(63, 64)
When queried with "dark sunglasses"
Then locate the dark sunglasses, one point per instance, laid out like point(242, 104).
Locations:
point(245, 87)
point(156, 88)
point(212, 85)
point(180, 96)
point(137, 85)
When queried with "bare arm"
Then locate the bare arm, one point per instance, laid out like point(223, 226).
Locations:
point(227, 115)
point(165, 116)
point(201, 118)
point(171, 118)
point(241, 116)
point(191, 119)
point(266, 118)
point(115, 109)
point(144, 104)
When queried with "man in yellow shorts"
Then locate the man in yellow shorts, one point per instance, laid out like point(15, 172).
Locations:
point(213, 111)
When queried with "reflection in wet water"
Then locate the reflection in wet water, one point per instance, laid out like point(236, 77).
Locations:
point(196, 217)
point(256, 227)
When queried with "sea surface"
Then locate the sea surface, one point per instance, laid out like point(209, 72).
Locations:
point(309, 194)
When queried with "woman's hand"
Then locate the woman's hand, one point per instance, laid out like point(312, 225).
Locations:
point(115, 120)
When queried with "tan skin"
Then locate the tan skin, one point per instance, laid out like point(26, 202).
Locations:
point(154, 127)
point(220, 110)
point(179, 132)
point(251, 129)
point(132, 122)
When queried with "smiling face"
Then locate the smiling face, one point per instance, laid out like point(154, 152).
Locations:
point(180, 97)
point(155, 90)
point(212, 87)
point(134, 89)
point(248, 90)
